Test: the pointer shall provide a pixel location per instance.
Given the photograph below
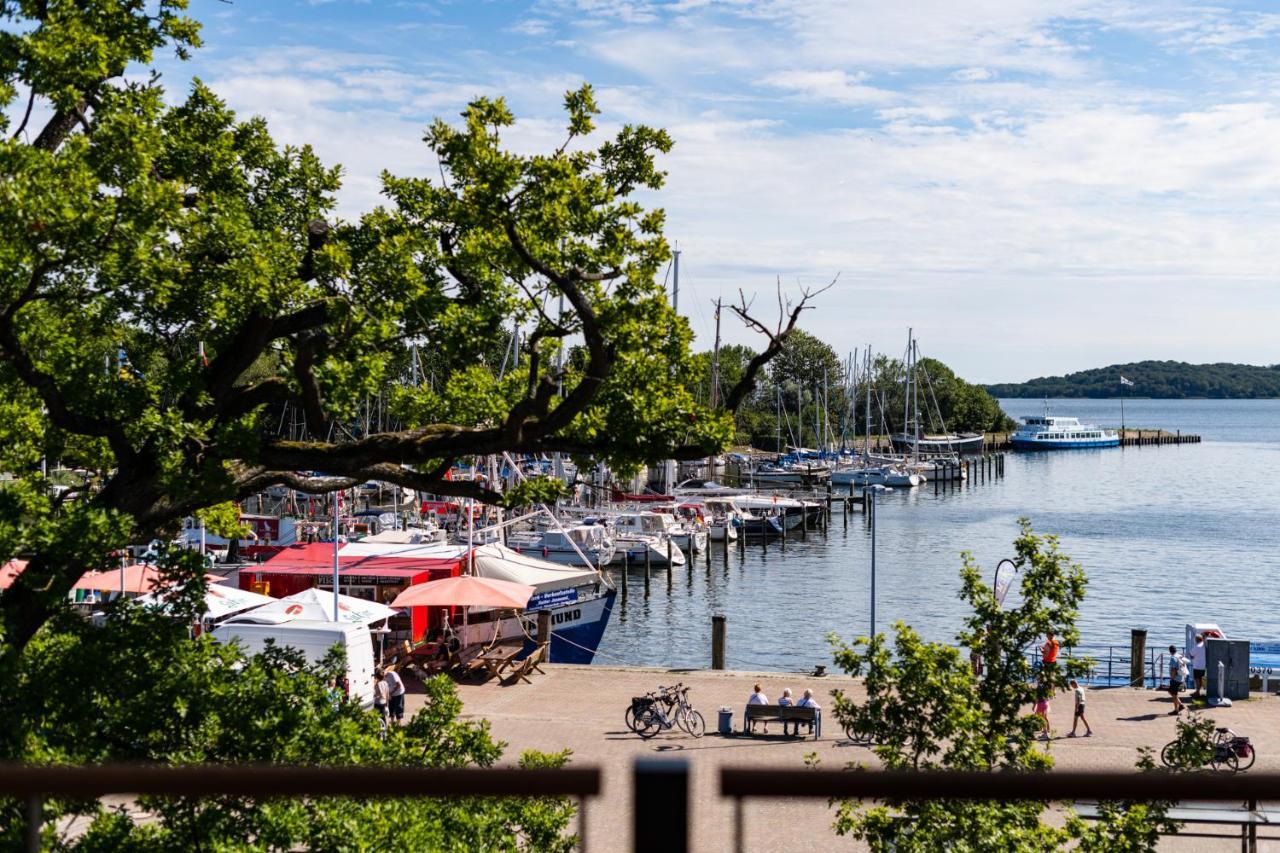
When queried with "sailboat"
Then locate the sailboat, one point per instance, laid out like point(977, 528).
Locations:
point(912, 440)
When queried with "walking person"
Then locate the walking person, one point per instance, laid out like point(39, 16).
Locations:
point(1079, 716)
point(1177, 679)
point(395, 701)
point(1042, 711)
point(1197, 665)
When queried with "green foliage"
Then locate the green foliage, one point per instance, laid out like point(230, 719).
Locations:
point(536, 490)
point(925, 709)
point(1173, 380)
point(223, 520)
point(138, 690)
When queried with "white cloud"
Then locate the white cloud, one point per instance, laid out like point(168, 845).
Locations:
point(833, 85)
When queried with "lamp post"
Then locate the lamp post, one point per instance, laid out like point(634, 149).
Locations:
point(873, 490)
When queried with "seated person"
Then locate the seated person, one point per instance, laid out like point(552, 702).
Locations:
point(807, 702)
point(786, 699)
point(758, 698)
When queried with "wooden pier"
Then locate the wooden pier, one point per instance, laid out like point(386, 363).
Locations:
point(996, 441)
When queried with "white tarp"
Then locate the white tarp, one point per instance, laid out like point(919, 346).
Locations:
point(500, 563)
point(219, 601)
point(317, 604)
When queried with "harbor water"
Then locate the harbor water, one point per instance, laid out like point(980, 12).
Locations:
point(1167, 535)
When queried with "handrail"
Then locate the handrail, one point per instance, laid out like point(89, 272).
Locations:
point(279, 781)
point(996, 785)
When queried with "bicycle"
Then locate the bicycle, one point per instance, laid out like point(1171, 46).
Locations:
point(1231, 752)
point(640, 703)
point(649, 718)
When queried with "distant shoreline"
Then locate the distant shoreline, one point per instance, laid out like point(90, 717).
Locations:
point(1126, 397)
point(1153, 380)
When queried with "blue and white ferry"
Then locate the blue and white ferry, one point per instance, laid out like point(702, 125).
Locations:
point(1054, 433)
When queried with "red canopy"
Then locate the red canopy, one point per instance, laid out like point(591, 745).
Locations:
point(316, 558)
point(620, 496)
point(139, 578)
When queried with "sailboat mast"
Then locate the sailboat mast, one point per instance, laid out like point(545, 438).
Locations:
point(866, 438)
point(906, 395)
point(915, 362)
point(715, 363)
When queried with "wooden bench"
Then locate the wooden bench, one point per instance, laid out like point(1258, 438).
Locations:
point(785, 714)
point(521, 670)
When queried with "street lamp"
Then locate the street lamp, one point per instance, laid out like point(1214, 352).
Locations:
point(873, 491)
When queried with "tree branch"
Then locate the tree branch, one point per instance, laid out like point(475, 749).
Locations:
point(777, 338)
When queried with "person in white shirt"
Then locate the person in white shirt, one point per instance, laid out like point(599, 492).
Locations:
point(1177, 678)
point(806, 701)
point(1197, 665)
point(380, 697)
point(1079, 713)
point(786, 699)
point(758, 698)
point(395, 690)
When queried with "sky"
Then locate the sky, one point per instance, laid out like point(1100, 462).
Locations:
point(1033, 187)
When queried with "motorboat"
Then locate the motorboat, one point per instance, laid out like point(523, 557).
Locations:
point(642, 537)
point(876, 475)
point(567, 546)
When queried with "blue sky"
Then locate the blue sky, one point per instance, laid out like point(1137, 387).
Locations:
point(1034, 187)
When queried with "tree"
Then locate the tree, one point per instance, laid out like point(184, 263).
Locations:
point(925, 708)
point(140, 691)
point(169, 280)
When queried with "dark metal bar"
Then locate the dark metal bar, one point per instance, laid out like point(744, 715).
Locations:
point(660, 813)
point(934, 785)
point(296, 781)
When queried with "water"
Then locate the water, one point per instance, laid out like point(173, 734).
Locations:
point(1167, 535)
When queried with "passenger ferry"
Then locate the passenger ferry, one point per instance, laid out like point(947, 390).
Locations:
point(1052, 433)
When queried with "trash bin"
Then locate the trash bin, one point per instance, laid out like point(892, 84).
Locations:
point(726, 721)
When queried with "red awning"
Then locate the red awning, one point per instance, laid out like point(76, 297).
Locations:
point(316, 558)
point(9, 572)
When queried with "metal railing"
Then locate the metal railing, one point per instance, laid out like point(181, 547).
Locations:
point(34, 784)
point(742, 784)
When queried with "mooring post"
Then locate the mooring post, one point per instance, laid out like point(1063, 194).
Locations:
point(717, 641)
point(1137, 651)
point(625, 572)
point(544, 626)
point(648, 566)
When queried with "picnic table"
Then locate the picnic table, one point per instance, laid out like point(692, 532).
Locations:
point(494, 661)
point(1246, 815)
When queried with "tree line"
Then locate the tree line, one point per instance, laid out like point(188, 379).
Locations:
point(1166, 380)
point(807, 398)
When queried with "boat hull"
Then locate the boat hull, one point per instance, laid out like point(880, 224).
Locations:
point(963, 444)
point(576, 629)
point(1064, 444)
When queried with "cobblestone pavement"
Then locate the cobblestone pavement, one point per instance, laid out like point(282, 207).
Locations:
point(581, 708)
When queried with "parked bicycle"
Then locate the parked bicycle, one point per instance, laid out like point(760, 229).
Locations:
point(667, 708)
point(1231, 752)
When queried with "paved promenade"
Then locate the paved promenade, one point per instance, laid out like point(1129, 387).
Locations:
point(581, 708)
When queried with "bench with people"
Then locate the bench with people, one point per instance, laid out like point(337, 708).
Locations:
point(790, 713)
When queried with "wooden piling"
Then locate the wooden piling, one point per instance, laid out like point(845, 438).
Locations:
point(544, 626)
point(1137, 654)
point(717, 641)
point(648, 566)
point(625, 571)
point(671, 567)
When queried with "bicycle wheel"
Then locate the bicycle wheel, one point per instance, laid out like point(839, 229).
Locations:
point(1246, 761)
point(630, 717)
point(648, 724)
point(860, 740)
point(1169, 755)
point(1224, 761)
point(691, 721)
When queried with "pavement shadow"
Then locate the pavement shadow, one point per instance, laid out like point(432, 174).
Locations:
point(1138, 718)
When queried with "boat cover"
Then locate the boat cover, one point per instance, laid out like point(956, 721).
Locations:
point(501, 563)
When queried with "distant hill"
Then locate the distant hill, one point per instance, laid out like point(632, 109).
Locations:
point(1171, 380)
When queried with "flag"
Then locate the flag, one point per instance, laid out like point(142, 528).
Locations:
point(1124, 381)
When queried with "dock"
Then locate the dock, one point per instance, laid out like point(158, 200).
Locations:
point(581, 708)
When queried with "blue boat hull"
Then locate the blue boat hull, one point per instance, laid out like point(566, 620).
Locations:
point(576, 629)
point(1066, 444)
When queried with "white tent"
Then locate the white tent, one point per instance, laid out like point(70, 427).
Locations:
point(501, 563)
point(317, 604)
point(219, 600)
